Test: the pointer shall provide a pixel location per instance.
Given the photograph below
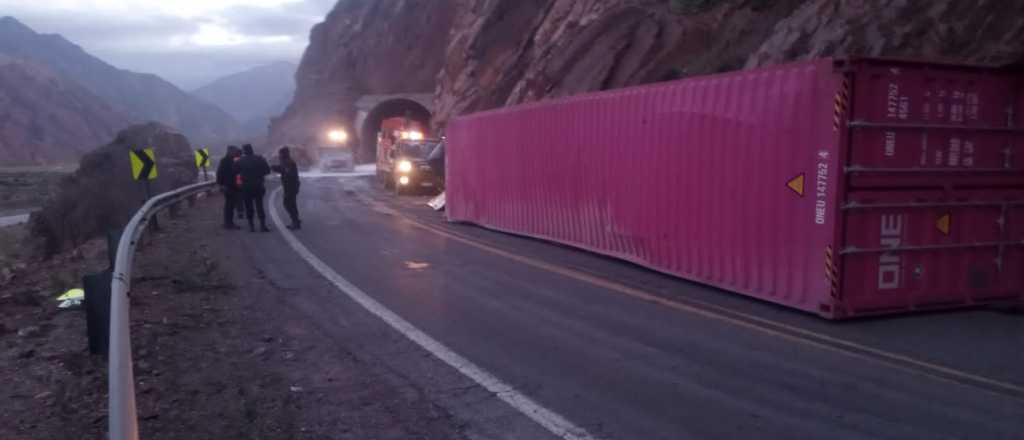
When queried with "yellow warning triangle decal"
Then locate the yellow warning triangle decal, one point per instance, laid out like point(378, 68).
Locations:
point(943, 224)
point(797, 185)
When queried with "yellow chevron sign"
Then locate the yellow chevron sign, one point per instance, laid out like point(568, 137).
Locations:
point(202, 158)
point(143, 164)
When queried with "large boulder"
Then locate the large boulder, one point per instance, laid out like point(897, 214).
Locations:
point(102, 196)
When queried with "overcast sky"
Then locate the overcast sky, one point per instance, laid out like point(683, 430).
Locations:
point(188, 42)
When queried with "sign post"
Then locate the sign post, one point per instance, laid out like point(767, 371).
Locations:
point(144, 169)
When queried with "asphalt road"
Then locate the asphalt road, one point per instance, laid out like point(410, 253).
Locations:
point(626, 353)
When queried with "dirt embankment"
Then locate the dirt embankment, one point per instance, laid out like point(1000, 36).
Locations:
point(216, 355)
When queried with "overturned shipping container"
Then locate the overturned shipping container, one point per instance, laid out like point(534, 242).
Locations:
point(843, 188)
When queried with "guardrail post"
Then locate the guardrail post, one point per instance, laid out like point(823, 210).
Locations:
point(97, 310)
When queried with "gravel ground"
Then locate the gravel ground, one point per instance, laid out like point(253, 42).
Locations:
point(215, 354)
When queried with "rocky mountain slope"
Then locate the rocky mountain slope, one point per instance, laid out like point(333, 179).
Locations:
point(504, 52)
point(571, 46)
point(46, 119)
point(253, 96)
point(142, 97)
point(364, 47)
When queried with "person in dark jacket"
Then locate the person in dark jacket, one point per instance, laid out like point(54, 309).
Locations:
point(240, 202)
point(253, 170)
point(226, 179)
point(289, 172)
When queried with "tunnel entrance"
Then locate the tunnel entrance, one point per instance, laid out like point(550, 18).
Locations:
point(384, 111)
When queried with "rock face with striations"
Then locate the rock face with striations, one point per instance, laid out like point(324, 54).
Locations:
point(45, 119)
point(505, 52)
point(509, 52)
point(363, 47)
point(101, 195)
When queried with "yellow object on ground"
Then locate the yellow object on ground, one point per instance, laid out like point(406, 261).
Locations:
point(73, 294)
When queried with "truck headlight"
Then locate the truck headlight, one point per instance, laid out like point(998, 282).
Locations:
point(405, 166)
point(404, 180)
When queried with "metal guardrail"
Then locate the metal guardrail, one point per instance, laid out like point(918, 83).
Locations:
point(122, 415)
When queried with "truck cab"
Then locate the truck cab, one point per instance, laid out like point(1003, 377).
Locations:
point(406, 166)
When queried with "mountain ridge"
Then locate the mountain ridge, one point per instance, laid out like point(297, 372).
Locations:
point(234, 94)
point(141, 96)
point(47, 119)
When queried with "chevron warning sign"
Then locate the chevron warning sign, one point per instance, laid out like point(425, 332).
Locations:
point(203, 158)
point(143, 164)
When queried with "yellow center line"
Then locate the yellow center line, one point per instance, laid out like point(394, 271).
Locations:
point(755, 323)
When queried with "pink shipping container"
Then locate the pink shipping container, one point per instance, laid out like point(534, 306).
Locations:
point(843, 188)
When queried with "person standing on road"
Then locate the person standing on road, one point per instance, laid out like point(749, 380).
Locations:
point(226, 178)
point(253, 170)
point(289, 171)
point(240, 202)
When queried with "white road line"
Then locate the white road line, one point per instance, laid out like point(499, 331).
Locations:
point(550, 420)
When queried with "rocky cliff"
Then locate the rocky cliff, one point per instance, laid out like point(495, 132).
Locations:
point(562, 47)
point(364, 47)
point(504, 52)
point(45, 119)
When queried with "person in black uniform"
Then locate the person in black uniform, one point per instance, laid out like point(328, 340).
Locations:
point(290, 184)
point(240, 202)
point(226, 178)
point(253, 170)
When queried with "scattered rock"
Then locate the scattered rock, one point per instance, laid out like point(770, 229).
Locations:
point(27, 354)
point(43, 395)
point(29, 331)
point(6, 274)
point(259, 351)
point(296, 389)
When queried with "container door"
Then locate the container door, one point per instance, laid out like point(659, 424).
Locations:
point(934, 200)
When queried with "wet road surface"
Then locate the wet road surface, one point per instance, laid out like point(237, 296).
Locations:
point(626, 353)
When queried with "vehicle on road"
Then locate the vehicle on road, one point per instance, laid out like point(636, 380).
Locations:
point(844, 188)
point(340, 161)
point(407, 166)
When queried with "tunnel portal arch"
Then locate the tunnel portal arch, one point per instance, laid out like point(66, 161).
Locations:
point(389, 107)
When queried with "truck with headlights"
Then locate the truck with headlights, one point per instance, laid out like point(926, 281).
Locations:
point(406, 166)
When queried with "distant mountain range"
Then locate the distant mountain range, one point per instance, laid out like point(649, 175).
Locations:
point(253, 96)
point(47, 119)
point(52, 66)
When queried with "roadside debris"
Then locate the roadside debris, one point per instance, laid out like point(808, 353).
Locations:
point(71, 299)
